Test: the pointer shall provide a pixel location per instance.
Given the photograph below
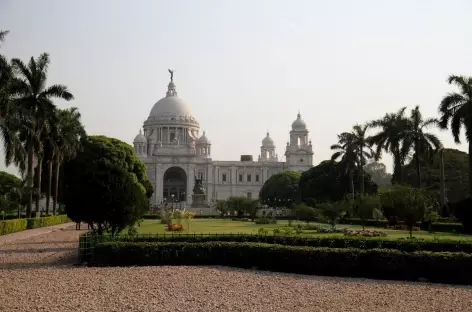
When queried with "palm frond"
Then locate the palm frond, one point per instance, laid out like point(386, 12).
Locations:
point(58, 91)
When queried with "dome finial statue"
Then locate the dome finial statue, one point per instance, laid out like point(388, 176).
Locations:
point(171, 72)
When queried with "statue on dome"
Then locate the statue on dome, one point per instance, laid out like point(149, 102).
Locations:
point(171, 75)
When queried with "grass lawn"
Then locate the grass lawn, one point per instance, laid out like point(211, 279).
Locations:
point(212, 226)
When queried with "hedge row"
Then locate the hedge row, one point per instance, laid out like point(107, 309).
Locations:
point(448, 226)
point(405, 245)
point(17, 225)
point(350, 262)
point(11, 226)
point(34, 223)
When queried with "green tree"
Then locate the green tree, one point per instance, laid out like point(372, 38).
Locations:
point(104, 185)
point(365, 206)
point(281, 189)
point(10, 117)
point(305, 213)
point(455, 170)
point(363, 150)
point(333, 212)
point(328, 181)
point(379, 174)
point(389, 139)
point(8, 185)
point(456, 111)
point(345, 151)
point(424, 144)
point(35, 100)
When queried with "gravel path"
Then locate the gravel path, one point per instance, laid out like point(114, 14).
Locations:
point(37, 275)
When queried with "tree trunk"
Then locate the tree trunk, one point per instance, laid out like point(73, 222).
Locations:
point(470, 169)
point(351, 183)
point(442, 184)
point(29, 206)
point(38, 180)
point(48, 197)
point(418, 167)
point(56, 187)
point(361, 173)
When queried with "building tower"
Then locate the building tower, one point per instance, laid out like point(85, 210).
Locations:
point(268, 149)
point(140, 144)
point(299, 151)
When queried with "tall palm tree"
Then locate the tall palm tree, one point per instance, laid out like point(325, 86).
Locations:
point(390, 138)
point(423, 143)
point(346, 151)
point(68, 140)
point(35, 100)
point(10, 119)
point(456, 110)
point(363, 149)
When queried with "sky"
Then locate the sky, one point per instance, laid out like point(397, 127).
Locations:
point(247, 66)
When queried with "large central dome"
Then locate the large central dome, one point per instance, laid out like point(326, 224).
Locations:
point(171, 105)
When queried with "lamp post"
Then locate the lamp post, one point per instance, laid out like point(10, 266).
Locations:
point(172, 196)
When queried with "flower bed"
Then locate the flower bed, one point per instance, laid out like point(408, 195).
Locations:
point(175, 227)
point(364, 233)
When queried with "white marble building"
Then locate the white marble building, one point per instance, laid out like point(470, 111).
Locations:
point(175, 154)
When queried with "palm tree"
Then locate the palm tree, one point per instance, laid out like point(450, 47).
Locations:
point(423, 143)
point(10, 119)
point(390, 138)
point(456, 110)
point(363, 149)
point(345, 149)
point(68, 139)
point(35, 101)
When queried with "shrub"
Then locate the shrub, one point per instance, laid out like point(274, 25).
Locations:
point(305, 213)
point(265, 221)
point(13, 225)
point(175, 227)
point(333, 212)
point(364, 233)
point(33, 223)
point(263, 231)
point(326, 229)
point(463, 211)
point(151, 216)
point(373, 263)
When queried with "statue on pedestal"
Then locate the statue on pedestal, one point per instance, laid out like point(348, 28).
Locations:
point(198, 197)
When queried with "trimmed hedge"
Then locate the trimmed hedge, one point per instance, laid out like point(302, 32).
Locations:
point(373, 263)
point(34, 223)
point(12, 226)
point(406, 245)
point(17, 225)
point(448, 227)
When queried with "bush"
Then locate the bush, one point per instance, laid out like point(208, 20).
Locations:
point(151, 216)
point(12, 226)
point(365, 233)
point(33, 223)
point(332, 242)
point(265, 221)
point(373, 263)
point(463, 211)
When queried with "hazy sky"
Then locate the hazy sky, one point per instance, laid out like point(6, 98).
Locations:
point(246, 66)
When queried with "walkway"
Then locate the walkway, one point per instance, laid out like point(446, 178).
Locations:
point(30, 233)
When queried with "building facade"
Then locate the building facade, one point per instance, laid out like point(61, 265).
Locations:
point(175, 154)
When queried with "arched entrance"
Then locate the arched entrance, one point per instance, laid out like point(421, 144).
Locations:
point(175, 185)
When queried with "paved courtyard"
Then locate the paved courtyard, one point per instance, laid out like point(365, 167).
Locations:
point(38, 274)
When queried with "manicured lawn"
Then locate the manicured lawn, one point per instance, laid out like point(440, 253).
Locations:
point(213, 226)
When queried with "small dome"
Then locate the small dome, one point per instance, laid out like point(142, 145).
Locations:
point(267, 141)
point(298, 124)
point(203, 139)
point(140, 138)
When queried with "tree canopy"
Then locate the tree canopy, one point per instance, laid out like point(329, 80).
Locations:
point(456, 170)
point(379, 174)
point(281, 189)
point(105, 185)
point(328, 181)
